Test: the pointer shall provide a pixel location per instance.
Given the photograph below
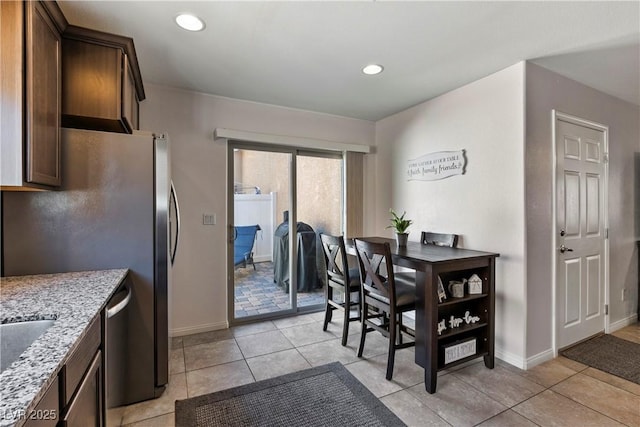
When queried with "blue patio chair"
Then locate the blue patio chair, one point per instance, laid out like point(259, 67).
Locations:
point(245, 236)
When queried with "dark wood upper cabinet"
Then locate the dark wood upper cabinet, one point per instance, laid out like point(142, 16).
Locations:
point(31, 92)
point(101, 85)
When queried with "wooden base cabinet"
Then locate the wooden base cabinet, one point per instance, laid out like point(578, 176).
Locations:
point(86, 408)
point(81, 382)
point(468, 321)
point(47, 412)
point(30, 117)
point(102, 86)
point(76, 396)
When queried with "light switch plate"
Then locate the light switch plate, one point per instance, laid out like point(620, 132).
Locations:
point(209, 219)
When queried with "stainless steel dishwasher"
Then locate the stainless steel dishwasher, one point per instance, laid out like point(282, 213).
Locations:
point(116, 350)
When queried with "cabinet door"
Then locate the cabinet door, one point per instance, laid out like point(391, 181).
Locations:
point(86, 408)
point(129, 100)
point(43, 91)
point(47, 412)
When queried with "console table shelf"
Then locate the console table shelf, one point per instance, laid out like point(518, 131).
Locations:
point(461, 330)
point(457, 264)
point(452, 301)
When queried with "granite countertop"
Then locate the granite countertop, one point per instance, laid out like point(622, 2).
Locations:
point(73, 300)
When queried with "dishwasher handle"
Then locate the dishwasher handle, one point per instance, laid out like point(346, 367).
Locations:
point(112, 311)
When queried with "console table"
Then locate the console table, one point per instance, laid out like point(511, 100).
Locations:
point(430, 263)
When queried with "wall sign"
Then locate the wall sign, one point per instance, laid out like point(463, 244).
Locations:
point(440, 165)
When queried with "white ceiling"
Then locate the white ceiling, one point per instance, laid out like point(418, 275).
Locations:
point(309, 55)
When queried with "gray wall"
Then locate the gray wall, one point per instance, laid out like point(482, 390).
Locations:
point(199, 171)
point(545, 91)
point(485, 206)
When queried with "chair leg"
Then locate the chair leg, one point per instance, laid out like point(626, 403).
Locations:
point(399, 328)
point(347, 312)
point(392, 346)
point(364, 328)
point(327, 308)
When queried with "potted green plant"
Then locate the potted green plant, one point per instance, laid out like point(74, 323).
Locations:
point(400, 225)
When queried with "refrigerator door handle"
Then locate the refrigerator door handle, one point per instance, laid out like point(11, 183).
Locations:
point(112, 311)
point(174, 198)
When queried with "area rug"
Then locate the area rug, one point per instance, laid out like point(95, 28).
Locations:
point(327, 395)
point(610, 354)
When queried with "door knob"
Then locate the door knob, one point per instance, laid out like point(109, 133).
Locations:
point(562, 232)
point(564, 249)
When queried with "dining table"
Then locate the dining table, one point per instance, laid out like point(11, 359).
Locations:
point(435, 266)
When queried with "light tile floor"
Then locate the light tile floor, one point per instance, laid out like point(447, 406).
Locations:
point(560, 392)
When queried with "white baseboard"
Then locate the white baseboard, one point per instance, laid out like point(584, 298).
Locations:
point(510, 358)
point(548, 354)
point(538, 359)
point(619, 324)
point(178, 332)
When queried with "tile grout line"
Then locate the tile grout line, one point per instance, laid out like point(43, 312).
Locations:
point(545, 388)
point(507, 410)
point(582, 404)
point(337, 339)
point(453, 373)
point(560, 394)
point(412, 396)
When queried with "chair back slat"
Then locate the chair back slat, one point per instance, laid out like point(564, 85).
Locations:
point(335, 256)
point(376, 269)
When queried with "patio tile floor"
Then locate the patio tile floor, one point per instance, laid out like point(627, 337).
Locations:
point(256, 293)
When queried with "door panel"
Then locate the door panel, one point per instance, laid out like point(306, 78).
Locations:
point(593, 205)
point(593, 286)
point(580, 278)
point(320, 206)
point(592, 151)
point(284, 272)
point(261, 283)
point(572, 291)
point(571, 147)
point(572, 204)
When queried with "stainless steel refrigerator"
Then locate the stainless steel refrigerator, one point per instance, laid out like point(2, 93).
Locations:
point(111, 212)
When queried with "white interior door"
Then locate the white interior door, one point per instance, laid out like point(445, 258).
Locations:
point(581, 261)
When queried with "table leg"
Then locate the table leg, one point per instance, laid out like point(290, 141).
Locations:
point(489, 361)
point(430, 380)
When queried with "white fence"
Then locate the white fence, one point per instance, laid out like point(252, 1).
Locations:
point(250, 209)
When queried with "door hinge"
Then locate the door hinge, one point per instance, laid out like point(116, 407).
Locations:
point(606, 233)
point(606, 309)
point(605, 157)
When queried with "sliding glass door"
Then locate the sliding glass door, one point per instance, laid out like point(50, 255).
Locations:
point(280, 200)
point(319, 204)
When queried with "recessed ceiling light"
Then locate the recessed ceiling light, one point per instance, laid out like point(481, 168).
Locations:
point(190, 22)
point(372, 69)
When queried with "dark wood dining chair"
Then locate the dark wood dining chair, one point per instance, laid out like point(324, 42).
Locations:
point(439, 239)
point(383, 299)
point(343, 279)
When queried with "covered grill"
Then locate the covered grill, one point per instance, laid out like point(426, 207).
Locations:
point(308, 275)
